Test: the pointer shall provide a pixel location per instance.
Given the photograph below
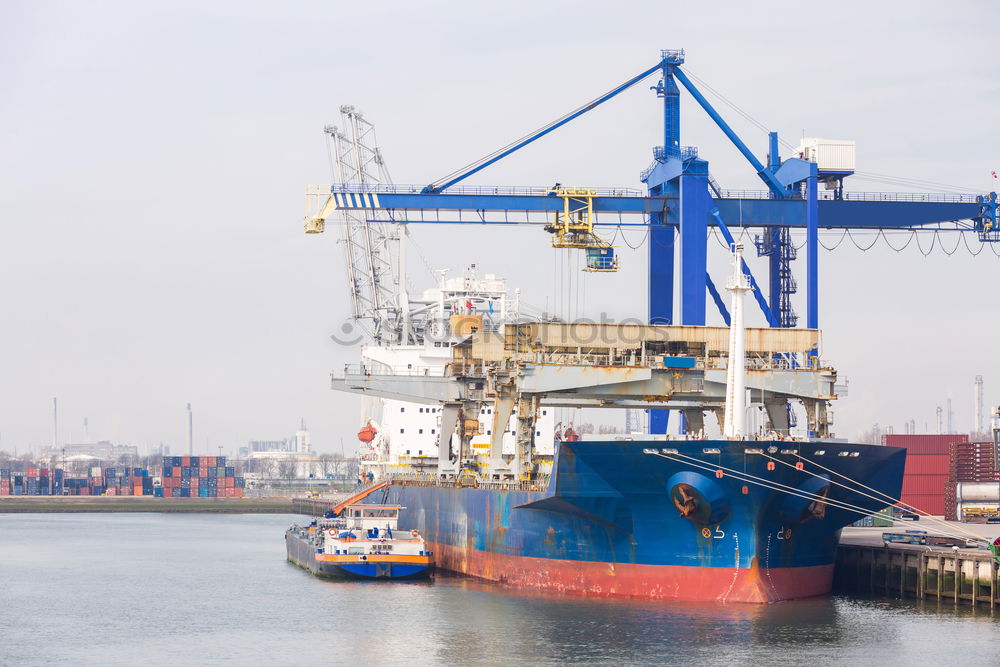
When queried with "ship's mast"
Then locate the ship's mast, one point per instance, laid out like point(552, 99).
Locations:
point(736, 395)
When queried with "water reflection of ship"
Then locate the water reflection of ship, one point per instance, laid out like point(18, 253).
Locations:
point(643, 632)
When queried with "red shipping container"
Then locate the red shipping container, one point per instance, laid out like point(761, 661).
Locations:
point(924, 444)
point(932, 504)
point(926, 464)
point(168, 492)
point(920, 485)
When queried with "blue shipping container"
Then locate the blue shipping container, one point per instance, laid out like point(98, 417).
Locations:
point(678, 362)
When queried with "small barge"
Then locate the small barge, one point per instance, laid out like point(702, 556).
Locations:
point(361, 542)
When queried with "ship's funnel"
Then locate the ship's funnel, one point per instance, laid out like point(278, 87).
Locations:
point(736, 394)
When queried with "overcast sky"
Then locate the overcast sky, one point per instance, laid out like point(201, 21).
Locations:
point(154, 157)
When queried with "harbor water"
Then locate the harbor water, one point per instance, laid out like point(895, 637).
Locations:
point(170, 589)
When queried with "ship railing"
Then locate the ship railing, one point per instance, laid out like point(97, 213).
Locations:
point(408, 370)
point(829, 195)
point(775, 362)
point(433, 479)
point(514, 191)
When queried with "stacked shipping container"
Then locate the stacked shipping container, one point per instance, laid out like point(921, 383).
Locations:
point(927, 472)
point(199, 477)
point(183, 476)
point(46, 482)
point(31, 482)
point(970, 462)
point(973, 462)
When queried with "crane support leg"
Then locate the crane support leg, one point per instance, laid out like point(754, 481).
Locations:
point(694, 421)
point(695, 205)
point(503, 407)
point(812, 252)
point(527, 415)
point(777, 416)
point(449, 422)
point(659, 421)
point(468, 428)
point(660, 289)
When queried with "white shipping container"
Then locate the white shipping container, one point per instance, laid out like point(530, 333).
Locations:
point(828, 154)
point(977, 492)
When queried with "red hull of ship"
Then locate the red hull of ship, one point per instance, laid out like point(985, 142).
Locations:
point(662, 582)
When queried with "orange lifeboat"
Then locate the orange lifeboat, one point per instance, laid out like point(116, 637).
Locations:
point(570, 435)
point(367, 433)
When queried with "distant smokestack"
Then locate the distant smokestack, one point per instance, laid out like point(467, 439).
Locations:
point(190, 431)
point(978, 425)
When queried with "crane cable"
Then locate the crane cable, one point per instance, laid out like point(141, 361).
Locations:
point(913, 234)
point(732, 105)
point(760, 481)
point(580, 109)
point(835, 246)
point(893, 501)
point(903, 180)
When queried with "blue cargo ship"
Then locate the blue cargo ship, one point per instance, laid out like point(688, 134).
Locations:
point(727, 520)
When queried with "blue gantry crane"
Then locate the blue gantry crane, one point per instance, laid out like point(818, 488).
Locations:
point(681, 205)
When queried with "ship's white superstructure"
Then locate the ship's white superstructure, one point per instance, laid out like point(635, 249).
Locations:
point(407, 434)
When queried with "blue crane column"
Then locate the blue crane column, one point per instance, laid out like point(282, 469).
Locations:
point(662, 246)
point(812, 249)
